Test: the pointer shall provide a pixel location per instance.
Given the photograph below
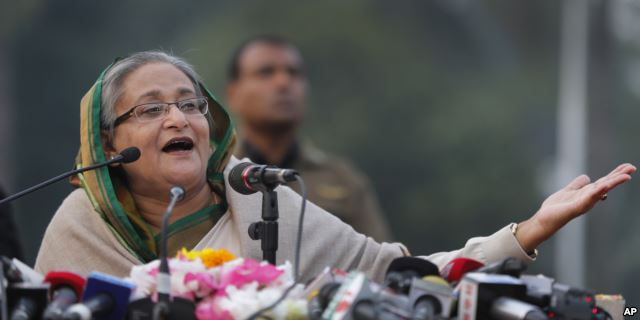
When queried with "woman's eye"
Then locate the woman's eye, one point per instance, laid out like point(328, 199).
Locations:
point(151, 110)
point(188, 107)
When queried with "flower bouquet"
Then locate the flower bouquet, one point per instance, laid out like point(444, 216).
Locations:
point(225, 287)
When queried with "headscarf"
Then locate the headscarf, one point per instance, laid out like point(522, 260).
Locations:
point(111, 198)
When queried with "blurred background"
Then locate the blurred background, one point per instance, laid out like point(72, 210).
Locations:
point(451, 107)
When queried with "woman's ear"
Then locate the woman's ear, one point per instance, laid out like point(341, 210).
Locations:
point(107, 146)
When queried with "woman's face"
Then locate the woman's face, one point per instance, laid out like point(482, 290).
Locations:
point(163, 162)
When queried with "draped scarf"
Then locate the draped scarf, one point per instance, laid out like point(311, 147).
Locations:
point(107, 188)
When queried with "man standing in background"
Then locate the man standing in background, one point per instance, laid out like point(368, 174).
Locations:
point(267, 90)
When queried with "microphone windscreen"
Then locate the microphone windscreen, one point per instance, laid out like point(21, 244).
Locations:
point(421, 266)
point(117, 289)
point(458, 267)
point(63, 278)
point(178, 192)
point(130, 154)
point(236, 180)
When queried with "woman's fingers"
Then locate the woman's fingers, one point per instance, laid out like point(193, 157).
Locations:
point(578, 182)
point(617, 176)
point(596, 190)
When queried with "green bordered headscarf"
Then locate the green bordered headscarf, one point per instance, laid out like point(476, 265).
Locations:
point(112, 199)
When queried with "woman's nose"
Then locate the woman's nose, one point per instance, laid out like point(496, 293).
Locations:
point(175, 117)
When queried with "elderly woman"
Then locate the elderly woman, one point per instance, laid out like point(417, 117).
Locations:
point(154, 101)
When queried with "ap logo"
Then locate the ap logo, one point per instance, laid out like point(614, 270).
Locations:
point(630, 311)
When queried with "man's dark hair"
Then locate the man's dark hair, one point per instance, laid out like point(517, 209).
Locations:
point(233, 69)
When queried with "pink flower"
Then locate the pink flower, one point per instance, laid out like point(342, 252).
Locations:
point(208, 309)
point(203, 283)
point(249, 271)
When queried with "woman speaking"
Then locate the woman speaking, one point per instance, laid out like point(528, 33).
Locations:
point(156, 102)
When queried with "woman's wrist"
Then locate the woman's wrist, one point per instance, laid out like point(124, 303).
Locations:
point(527, 233)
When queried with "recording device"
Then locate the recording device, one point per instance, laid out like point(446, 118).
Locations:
point(561, 301)
point(509, 266)
point(357, 298)
point(26, 296)
point(495, 297)
point(27, 300)
point(66, 289)
point(105, 297)
point(458, 267)
point(403, 270)
point(248, 178)
point(11, 272)
point(431, 298)
point(127, 155)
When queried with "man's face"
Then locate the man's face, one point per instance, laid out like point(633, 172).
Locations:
point(270, 90)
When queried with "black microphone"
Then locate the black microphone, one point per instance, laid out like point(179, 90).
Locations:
point(27, 300)
point(127, 155)
point(479, 293)
point(512, 309)
point(509, 266)
point(357, 298)
point(401, 272)
point(248, 178)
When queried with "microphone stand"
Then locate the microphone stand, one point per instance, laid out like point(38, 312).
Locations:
point(267, 230)
point(166, 307)
point(161, 309)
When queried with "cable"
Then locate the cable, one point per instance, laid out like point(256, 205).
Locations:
point(296, 266)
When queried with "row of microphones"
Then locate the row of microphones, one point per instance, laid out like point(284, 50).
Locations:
point(62, 295)
point(464, 289)
point(413, 289)
point(501, 291)
point(127, 155)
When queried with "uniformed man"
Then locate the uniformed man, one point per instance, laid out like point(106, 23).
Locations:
point(267, 90)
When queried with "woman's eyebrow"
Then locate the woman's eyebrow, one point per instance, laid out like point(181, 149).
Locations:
point(148, 94)
point(156, 93)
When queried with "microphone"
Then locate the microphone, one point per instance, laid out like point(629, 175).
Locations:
point(66, 289)
point(509, 266)
point(164, 275)
point(248, 178)
point(166, 307)
point(511, 309)
point(357, 298)
point(479, 293)
point(458, 267)
point(401, 272)
point(27, 300)
point(127, 155)
point(105, 297)
point(23, 292)
point(431, 298)
point(560, 300)
point(11, 272)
